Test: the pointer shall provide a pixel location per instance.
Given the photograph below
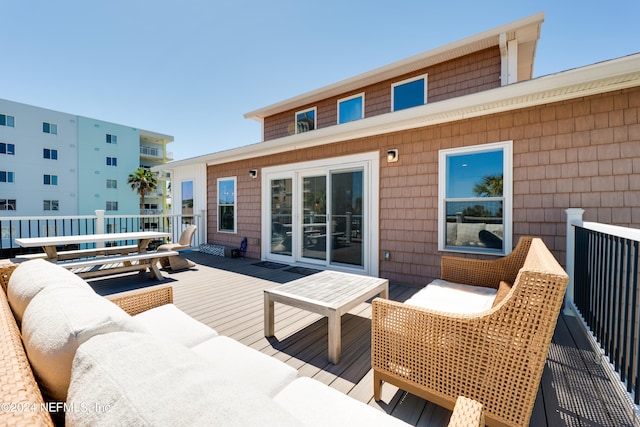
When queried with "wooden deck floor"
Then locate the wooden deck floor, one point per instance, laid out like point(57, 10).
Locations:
point(227, 294)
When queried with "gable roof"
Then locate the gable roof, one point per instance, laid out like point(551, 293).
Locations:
point(526, 31)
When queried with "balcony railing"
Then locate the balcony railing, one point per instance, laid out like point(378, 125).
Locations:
point(605, 293)
point(12, 228)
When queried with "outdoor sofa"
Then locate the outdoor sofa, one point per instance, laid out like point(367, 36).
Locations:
point(136, 359)
point(482, 331)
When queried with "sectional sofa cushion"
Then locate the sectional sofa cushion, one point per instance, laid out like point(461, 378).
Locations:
point(137, 379)
point(170, 322)
point(321, 406)
point(238, 362)
point(453, 297)
point(56, 322)
point(30, 277)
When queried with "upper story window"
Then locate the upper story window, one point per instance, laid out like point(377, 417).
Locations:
point(351, 108)
point(7, 148)
point(6, 176)
point(50, 205)
point(112, 139)
point(475, 198)
point(112, 161)
point(6, 120)
point(49, 128)
point(227, 204)
point(306, 120)
point(112, 183)
point(50, 179)
point(50, 154)
point(7, 204)
point(112, 206)
point(409, 93)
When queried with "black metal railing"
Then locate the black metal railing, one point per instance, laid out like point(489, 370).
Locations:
point(606, 295)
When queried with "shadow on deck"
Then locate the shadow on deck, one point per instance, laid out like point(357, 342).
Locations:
point(226, 293)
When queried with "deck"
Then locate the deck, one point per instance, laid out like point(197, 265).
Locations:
point(227, 294)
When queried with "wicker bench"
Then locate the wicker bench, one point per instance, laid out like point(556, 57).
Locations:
point(495, 356)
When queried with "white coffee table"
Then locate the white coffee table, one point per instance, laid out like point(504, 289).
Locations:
point(329, 293)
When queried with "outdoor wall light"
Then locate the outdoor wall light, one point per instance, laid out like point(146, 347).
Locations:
point(392, 155)
point(253, 173)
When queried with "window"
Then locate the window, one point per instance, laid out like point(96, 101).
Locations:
point(50, 179)
point(50, 205)
point(7, 148)
point(112, 206)
point(305, 120)
point(350, 109)
point(409, 93)
point(475, 198)
point(112, 161)
point(7, 120)
point(50, 154)
point(187, 202)
point(6, 176)
point(112, 139)
point(7, 204)
point(227, 204)
point(112, 183)
point(49, 128)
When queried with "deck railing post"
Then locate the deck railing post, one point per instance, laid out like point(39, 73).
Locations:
point(100, 225)
point(574, 217)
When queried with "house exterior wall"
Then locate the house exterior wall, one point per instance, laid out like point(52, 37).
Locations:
point(578, 153)
point(472, 73)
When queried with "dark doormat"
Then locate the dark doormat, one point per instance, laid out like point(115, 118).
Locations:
point(269, 264)
point(302, 270)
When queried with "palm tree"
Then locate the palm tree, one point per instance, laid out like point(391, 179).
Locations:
point(142, 181)
point(491, 186)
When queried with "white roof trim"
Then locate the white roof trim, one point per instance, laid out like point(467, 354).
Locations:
point(602, 77)
point(526, 31)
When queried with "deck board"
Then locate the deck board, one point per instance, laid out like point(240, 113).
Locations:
point(227, 294)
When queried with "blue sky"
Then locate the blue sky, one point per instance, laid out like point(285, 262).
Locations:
point(192, 68)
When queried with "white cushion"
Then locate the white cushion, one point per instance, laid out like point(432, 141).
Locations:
point(454, 297)
point(30, 277)
point(150, 381)
point(242, 363)
point(56, 322)
point(320, 405)
point(170, 322)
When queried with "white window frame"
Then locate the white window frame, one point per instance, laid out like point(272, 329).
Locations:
point(111, 204)
point(409, 80)
point(111, 139)
point(507, 194)
point(349, 98)
point(315, 119)
point(53, 128)
point(112, 161)
point(53, 205)
point(112, 183)
point(235, 204)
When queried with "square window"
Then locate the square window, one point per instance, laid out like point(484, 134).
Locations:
point(350, 109)
point(409, 93)
point(112, 161)
point(7, 120)
point(50, 128)
point(112, 139)
point(8, 149)
point(305, 120)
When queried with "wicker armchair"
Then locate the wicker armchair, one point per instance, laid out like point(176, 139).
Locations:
point(495, 357)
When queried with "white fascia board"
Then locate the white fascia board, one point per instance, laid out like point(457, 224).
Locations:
point(602, 77)
point(525, 30)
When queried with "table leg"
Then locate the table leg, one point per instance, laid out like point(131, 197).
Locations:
point(335, 339)
point(385, 293)
point(52, 253)
point(269, 328)
point(154, 270)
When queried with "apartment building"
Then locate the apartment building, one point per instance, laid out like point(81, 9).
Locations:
point(54, 163)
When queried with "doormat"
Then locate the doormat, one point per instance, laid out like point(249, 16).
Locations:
point(302, 270)
point(269, 264)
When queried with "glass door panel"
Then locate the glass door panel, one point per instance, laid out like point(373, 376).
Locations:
point(314, 217)
point(281, 216)
point(346, 237)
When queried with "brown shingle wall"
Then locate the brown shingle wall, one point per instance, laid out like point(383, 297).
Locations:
point(461, 76)
point(582, 153)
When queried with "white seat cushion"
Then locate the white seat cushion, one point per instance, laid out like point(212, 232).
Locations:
point(170, 322)
point(320, 405)
point(454, 297)
point(150, 381)
point(245, 364)
point(56, 322)
point(30, 277)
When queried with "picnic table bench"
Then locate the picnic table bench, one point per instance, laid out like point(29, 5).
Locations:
point(106, 265)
